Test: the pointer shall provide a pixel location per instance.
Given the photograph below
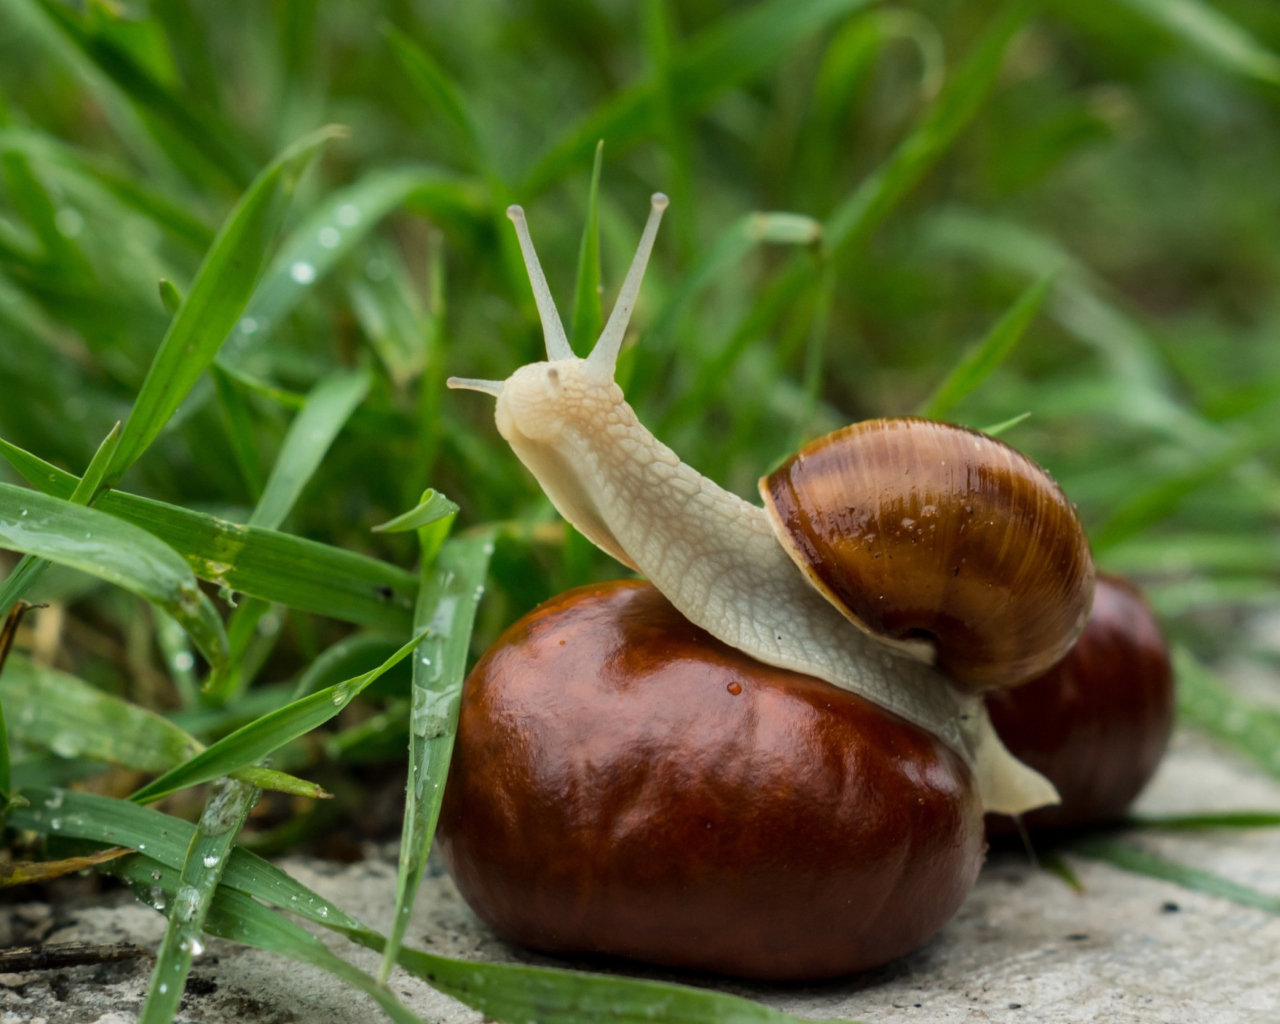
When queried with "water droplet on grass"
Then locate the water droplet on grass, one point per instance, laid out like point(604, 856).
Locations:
point(330, 237)
point(302, 272)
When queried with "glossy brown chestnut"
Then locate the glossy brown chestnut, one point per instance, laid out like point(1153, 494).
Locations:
point(625, 784)
point(924, 530)
point(1098, 722)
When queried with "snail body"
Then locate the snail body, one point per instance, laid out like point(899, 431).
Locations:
point(624, 783)
point(717, 557)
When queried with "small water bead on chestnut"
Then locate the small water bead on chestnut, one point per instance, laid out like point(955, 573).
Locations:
point(624, 783)
point(728, 567)
point(1097, 723)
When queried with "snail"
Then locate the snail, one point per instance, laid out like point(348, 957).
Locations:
point(1098, 722)
point(956, 549)
point(625, 783)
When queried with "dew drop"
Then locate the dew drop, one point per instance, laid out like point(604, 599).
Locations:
point(734, 688)
point(184, 661)
point(302, 272)
point(330, 237)
point(163, 988)
point(248, 325)
point(211, 861)
point(348, 215)
point(24, 511)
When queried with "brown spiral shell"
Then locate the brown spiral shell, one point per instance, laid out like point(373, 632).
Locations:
point(919, 530)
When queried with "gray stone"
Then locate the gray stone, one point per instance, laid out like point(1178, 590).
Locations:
point(1024, 948)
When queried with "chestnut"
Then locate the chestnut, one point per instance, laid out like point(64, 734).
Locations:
point(625, 784)
point(1098, 722)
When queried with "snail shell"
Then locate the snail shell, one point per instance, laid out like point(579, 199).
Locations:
point(925, 531)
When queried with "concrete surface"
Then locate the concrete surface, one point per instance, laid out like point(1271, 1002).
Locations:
point(1024, 948)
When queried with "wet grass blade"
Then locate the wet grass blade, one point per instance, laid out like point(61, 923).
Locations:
point(206, 860)
point(977, 364)
point(588, 316)
point(216, 299)
point(62, 713)
point(115, 551)
point(310, 434)
point(30, 567)
point(234, 916)
point(447, 600)
point(249, 744)
point(1130, 858)
point(1251, 729)
point(1209, 31)
point(59, 712)
point(273, 566)
point(509, 993)
point(332, 230)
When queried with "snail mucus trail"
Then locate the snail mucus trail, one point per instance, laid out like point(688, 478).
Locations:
point(712, 554)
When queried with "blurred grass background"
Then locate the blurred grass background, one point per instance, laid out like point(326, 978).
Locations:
point(861, 192)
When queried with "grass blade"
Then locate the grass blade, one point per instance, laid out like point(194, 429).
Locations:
point(588, 316)
point(1212, 33)
point(249, 744)
point(217, 297)
point(433, 507)
point(277, 567)
point(447, 601)
point(1157, 500)
point(113, 550)
point(724, 55)
point(239, 429)
point(510, 993)
point(310, 435)
point(1130, 858)
point(1251, 729)
point(224, 815)
point(434, 84)
point(203, 132)
point(1203, 822)
point(955, 107)
point(988, 354)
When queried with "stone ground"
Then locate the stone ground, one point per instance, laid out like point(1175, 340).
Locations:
point(1024, 949)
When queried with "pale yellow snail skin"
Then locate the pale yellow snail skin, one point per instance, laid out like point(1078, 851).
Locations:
point(711, 553)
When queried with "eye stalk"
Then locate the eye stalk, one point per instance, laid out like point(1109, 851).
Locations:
point(605, 354)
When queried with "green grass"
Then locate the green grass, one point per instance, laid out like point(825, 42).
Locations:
point(225, 326)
